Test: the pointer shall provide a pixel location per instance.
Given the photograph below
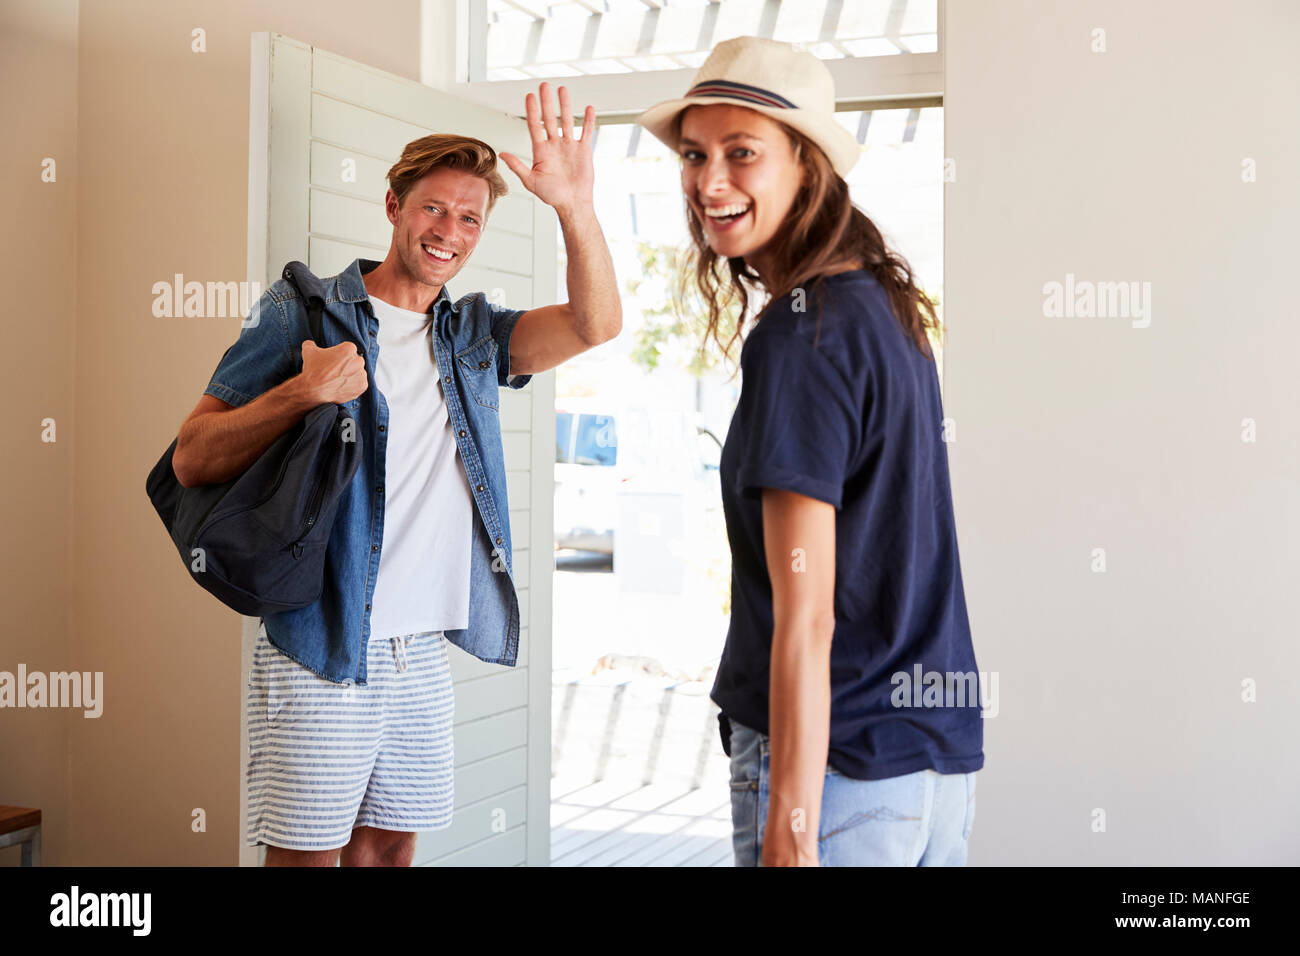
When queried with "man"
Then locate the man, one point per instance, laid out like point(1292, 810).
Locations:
point(350, 699)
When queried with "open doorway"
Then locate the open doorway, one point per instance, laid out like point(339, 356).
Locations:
point(642, 572)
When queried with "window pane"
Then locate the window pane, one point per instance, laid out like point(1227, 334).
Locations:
point(574, 37)
point(597, 440)
point(898, 183)
point(563, 435)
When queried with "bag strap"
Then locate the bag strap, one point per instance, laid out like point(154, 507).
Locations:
point(312, 291)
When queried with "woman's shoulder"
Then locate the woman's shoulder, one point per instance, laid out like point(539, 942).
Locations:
point(842, 305)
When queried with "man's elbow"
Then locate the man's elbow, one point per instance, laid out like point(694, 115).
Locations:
point(609, 330)
point(603, 336)
point(186, 466)
point(183, 468)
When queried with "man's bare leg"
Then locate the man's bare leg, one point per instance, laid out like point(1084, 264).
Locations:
point(279, 856)
point(372, 846)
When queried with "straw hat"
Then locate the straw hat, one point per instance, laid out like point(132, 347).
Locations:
point(771, 78)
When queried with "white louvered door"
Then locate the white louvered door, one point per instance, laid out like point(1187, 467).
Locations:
point(323, 132)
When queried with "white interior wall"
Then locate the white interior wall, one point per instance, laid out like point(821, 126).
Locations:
point(1122, 691)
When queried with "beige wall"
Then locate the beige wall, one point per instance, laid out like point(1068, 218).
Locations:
point(38, 87)
point(1122, 690)
point(152, 143)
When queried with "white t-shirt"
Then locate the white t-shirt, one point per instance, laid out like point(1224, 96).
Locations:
point(423, 582)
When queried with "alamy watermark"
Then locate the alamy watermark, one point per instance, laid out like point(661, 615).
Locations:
point(922, 688)
point(79, 689)
point(77, 908)
point(1086, 299)
point(206, 300)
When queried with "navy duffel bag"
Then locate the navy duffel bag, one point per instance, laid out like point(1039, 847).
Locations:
point(258, 541)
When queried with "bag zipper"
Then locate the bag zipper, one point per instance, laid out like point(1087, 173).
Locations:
point(319, 492)
point(198, 528)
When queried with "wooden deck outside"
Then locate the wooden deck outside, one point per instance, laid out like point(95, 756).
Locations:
point(640, 778)
point(614, 823)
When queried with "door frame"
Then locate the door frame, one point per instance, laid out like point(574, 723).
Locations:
point(272, 241)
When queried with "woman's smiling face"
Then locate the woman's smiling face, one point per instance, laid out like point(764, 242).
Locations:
point(740, 175)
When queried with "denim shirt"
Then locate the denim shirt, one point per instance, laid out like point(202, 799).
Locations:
point(471, 347)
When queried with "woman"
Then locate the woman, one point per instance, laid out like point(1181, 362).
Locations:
point(848, 685)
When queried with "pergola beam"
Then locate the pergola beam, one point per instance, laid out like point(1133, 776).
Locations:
point(666, 30)
point(537, 9)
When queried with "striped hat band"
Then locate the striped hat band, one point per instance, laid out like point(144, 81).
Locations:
point(805, 103)
point(731, 90)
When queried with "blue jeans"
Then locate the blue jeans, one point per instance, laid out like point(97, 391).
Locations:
point(917, 819)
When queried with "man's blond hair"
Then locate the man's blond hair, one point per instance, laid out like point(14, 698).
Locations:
point(446, 151)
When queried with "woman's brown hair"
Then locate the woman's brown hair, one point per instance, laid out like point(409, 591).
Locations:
point(824, 229)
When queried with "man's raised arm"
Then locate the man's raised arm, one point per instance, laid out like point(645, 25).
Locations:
point(562, 176)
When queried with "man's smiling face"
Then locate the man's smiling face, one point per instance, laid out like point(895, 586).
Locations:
point(438, 224)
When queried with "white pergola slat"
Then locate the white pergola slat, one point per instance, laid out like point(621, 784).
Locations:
point(559, 33)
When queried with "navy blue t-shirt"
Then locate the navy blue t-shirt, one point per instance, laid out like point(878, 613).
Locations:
point(854, 420)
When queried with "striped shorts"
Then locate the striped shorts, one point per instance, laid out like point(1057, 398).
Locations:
point(325, 758)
